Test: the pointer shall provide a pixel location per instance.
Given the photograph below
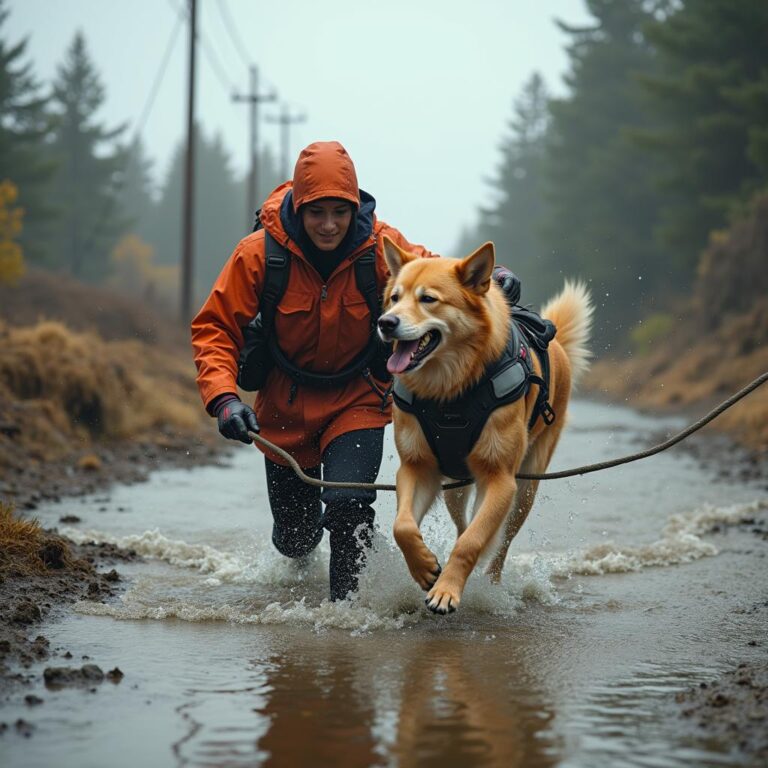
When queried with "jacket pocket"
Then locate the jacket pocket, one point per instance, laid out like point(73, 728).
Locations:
point(355, 309)
point(296, 323)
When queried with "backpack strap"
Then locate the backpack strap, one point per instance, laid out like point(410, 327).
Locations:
point(365, 277)
point(276, 274)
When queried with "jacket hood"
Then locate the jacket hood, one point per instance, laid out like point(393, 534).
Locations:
point(324, 169)
point(360, 229)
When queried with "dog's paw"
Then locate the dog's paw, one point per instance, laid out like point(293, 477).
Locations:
point(428, 572)
point(441, 600)
point(420, 559)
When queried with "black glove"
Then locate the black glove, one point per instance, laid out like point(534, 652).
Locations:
point(236, 419)
point(509, 282)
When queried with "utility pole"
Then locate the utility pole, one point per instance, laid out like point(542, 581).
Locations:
point(187, 255)
point(254, 98)
point(286, 120)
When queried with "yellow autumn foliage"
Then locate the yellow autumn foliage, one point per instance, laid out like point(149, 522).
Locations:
point(11, 254)
point(135, 274)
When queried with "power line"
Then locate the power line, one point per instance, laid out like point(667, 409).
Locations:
point(233, 34)
point(237, 41)
point(109, 204)
point(213, 58)
point(253, 99)
point(216, 65)
point(285, 119)
point(159, 76)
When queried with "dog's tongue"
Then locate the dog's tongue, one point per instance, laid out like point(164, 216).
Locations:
point(399, 359)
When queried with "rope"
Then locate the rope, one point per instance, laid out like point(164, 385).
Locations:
point(713, 414)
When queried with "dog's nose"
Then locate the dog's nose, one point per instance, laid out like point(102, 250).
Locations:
point(388, 324)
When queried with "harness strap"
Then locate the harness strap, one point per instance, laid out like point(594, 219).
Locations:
point(542, 406)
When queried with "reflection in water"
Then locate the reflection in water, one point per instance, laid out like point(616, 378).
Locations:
point(461, 707)
point(434, 701)
point(317, 715)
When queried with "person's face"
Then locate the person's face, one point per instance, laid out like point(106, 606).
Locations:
point(326, 222)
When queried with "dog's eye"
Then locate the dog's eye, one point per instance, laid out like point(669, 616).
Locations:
point(428, 299)
point(393, 298)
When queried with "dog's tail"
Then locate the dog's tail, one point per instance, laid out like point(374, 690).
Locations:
point(571, 311)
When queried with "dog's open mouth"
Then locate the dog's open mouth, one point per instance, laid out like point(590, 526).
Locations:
point(409, 354)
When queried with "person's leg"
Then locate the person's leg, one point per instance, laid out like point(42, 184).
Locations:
point(353, 457)
point(296, 510)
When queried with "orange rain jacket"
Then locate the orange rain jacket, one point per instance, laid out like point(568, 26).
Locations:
point(321, 327)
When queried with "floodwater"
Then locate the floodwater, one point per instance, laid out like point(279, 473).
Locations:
point(623, 588)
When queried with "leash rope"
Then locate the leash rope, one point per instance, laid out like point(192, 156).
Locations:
point(680, 436)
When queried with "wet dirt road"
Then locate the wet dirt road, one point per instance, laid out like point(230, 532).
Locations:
point(622, 589)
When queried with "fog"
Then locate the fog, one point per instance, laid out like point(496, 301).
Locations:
point(419, 93)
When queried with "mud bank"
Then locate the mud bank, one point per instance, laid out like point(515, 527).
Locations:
point(39, 587)
point(41, 574)
point(734, 707)
point(691, 372)
point(100, 465)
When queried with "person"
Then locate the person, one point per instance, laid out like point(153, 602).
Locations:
point(334, 427)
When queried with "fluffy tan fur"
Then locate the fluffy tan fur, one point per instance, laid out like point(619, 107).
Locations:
point(470, 313)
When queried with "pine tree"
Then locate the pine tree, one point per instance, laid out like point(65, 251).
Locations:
point(136, 194)
point(219, 203)
point(86, 185)
point(514, 221)
point(711, 95)
point(24, 126)
point(603, 205)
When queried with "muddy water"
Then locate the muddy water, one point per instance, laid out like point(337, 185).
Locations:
point(622, 589)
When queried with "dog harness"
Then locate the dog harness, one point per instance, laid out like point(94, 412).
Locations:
point(452, 428)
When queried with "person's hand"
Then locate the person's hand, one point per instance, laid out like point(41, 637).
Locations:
point(509, 282)
point(236, 419)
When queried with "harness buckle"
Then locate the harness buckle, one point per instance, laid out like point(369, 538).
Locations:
point(547, 414)
point(276, 259)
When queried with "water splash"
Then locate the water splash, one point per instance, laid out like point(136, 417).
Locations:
point(387, 598)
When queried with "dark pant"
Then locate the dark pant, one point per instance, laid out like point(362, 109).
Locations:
point(298, 516)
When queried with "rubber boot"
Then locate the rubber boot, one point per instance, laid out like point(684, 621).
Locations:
point(350, 543)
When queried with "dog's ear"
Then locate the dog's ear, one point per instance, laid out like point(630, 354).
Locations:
point(396, 257)
point(475, 271)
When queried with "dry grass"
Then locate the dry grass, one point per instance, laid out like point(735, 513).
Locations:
point(59, 389)
point(718, 346)
point(41, 295)
point(27, 550)
point(697, 373)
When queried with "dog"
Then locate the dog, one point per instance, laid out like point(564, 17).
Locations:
point(448, 322)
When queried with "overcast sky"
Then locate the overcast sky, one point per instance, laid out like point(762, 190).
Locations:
point(420, 93)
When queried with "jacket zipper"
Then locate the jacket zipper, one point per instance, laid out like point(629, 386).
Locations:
point(324, 293)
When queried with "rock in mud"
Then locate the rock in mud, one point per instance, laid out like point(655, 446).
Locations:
point(115, 675)
point(26, 612)
point(89, 463)
point(52, 553)
point(24, 728)
point(64, 677)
